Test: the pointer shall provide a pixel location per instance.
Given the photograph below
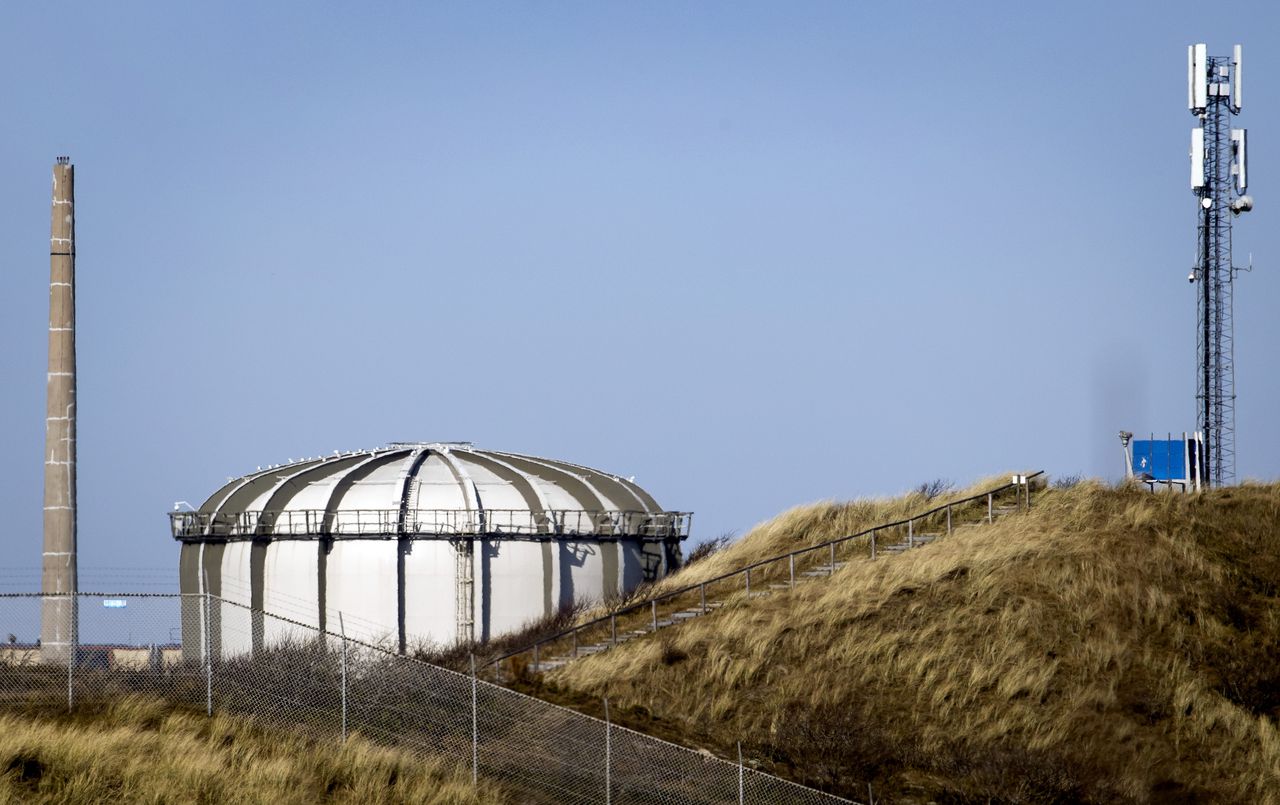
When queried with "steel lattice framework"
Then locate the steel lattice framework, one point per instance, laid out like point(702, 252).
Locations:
point(1218, 151)
point(1216, 393)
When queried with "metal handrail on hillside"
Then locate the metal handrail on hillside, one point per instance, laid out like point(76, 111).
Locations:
point(1019, 482)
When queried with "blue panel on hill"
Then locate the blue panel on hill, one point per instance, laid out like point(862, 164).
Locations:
point(1161, 459)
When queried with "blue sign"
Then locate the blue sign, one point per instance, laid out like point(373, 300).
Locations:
point(1160, 459)
point(114, 603)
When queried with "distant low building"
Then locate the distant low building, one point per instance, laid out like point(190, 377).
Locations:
point(106, 657)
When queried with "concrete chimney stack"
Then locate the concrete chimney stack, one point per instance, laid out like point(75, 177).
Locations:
point(58, 615)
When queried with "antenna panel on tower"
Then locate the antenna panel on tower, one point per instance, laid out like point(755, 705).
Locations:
point(1237, 58)
point(1199, 77)
point(1240, 161)
point(1197, 158)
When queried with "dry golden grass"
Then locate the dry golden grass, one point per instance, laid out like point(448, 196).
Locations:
point(1109, 645)
point(812, 524)
point(804, 526)
point(141, 750)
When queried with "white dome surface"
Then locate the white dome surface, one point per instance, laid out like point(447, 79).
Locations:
point(436, 542)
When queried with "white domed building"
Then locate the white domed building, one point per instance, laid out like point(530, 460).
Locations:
point(415, 543)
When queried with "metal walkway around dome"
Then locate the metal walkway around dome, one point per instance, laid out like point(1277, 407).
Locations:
point(429, 523)
point(428, 490)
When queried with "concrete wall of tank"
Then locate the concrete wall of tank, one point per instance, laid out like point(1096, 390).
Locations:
point(312, 581)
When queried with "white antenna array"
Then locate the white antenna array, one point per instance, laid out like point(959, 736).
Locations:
point(1207, 80)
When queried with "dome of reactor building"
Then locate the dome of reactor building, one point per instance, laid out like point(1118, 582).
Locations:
point(414, 544)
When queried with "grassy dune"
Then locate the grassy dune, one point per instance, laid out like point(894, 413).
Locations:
point(802, 526)
point(140, 750)
point(1110, 645)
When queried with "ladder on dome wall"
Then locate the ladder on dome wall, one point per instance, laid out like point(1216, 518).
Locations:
point(463, 566)
point(463, 587)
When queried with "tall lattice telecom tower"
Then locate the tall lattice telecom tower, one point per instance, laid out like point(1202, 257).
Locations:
point(1219, 180)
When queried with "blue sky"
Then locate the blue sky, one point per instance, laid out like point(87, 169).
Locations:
point(754, 255)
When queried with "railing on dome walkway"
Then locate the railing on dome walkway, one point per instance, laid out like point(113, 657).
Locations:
point(429, 523)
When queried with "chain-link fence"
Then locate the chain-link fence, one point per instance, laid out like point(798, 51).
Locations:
point(128, 644)
point(204, 651)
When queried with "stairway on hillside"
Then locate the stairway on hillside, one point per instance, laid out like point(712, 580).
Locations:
point(658, 623)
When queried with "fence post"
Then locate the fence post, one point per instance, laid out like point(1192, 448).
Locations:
point(702, 592)
point(475, 726)
point(342, 629)
point(748, 574)
point(948, 519)
point(608, 754)
point(911, 534)
point(535, 657)
point(208, 648)
point(833, 555)
point(653, 609)
point(792, 557)
point(71, 655)
point(613, 628)
point(741, 787)
point(873, 549)
point(990, 518)
point(575, 643)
